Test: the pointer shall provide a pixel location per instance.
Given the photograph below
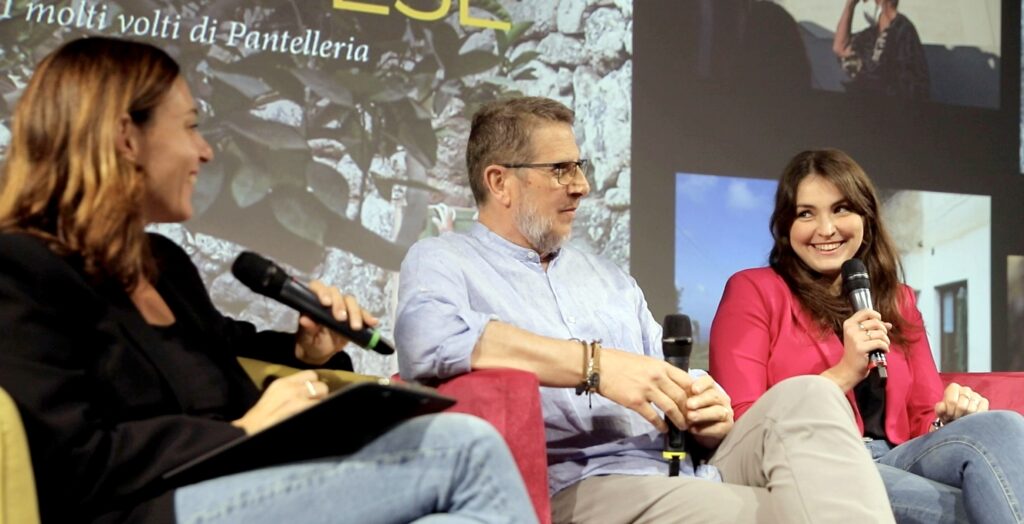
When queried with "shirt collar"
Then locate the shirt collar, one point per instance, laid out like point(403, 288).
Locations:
point(503, 245)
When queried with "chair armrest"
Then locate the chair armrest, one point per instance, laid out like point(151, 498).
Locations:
point(510, 400)
point(18, 503)
point(1003, 389)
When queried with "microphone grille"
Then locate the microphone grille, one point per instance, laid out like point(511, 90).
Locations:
point(855, 275)
point(258, 273)
point(677, 326)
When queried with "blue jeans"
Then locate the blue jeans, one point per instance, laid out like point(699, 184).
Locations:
point(971, 470)
point(437, 468)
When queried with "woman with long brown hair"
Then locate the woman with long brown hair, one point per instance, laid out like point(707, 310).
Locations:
point(121, 366)
point(942, 455)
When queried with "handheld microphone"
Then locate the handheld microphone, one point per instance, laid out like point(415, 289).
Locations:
point(857, 287)
point(676, 344)
point(270, 280)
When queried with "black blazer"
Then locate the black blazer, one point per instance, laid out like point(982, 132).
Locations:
point(108, 406)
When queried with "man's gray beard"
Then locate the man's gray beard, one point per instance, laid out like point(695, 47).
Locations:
point(537, 229)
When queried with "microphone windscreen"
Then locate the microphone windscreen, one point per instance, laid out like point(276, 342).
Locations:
point(258, 274)
point(677, 326)
point(855, 275)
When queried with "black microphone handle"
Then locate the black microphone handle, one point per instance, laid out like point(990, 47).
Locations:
point(682, 363)
point(677, 353)
point(303, 299)
point(675, 439)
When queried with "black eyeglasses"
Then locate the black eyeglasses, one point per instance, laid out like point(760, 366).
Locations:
point(564, 172)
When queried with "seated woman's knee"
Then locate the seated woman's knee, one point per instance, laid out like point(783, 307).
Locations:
point(1004, 422)
point(459, 427)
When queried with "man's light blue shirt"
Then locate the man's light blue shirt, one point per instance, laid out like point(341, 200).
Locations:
point(453, 285)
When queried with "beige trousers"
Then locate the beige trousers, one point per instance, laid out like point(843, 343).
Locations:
point(794, 457)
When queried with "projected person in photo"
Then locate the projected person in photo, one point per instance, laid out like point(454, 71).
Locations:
point(942, 455)
point(887, 57)
point(123, 369)
point(512, 293)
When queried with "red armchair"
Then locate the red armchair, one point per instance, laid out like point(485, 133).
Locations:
point(510, 400)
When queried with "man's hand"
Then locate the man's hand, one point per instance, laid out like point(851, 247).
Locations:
point(636, 382)
point(708, 412)
point(315, 344)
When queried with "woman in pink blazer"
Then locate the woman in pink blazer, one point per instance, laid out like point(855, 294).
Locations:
point(938, 463)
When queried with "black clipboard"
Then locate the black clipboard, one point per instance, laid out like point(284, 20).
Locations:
point(338, 425)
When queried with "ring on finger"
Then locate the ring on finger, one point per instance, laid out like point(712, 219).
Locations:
point(870, 336)
point(311, 389)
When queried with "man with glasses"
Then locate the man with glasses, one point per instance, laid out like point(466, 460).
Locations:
point(511, 294)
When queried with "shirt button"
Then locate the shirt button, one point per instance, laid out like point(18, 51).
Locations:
point(571, 320)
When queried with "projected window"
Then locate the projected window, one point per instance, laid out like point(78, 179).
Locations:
point(953, 338)
point(943, 238)
point(1015, 309)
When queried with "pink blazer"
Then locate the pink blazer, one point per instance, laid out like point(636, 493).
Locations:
point(761, 335)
